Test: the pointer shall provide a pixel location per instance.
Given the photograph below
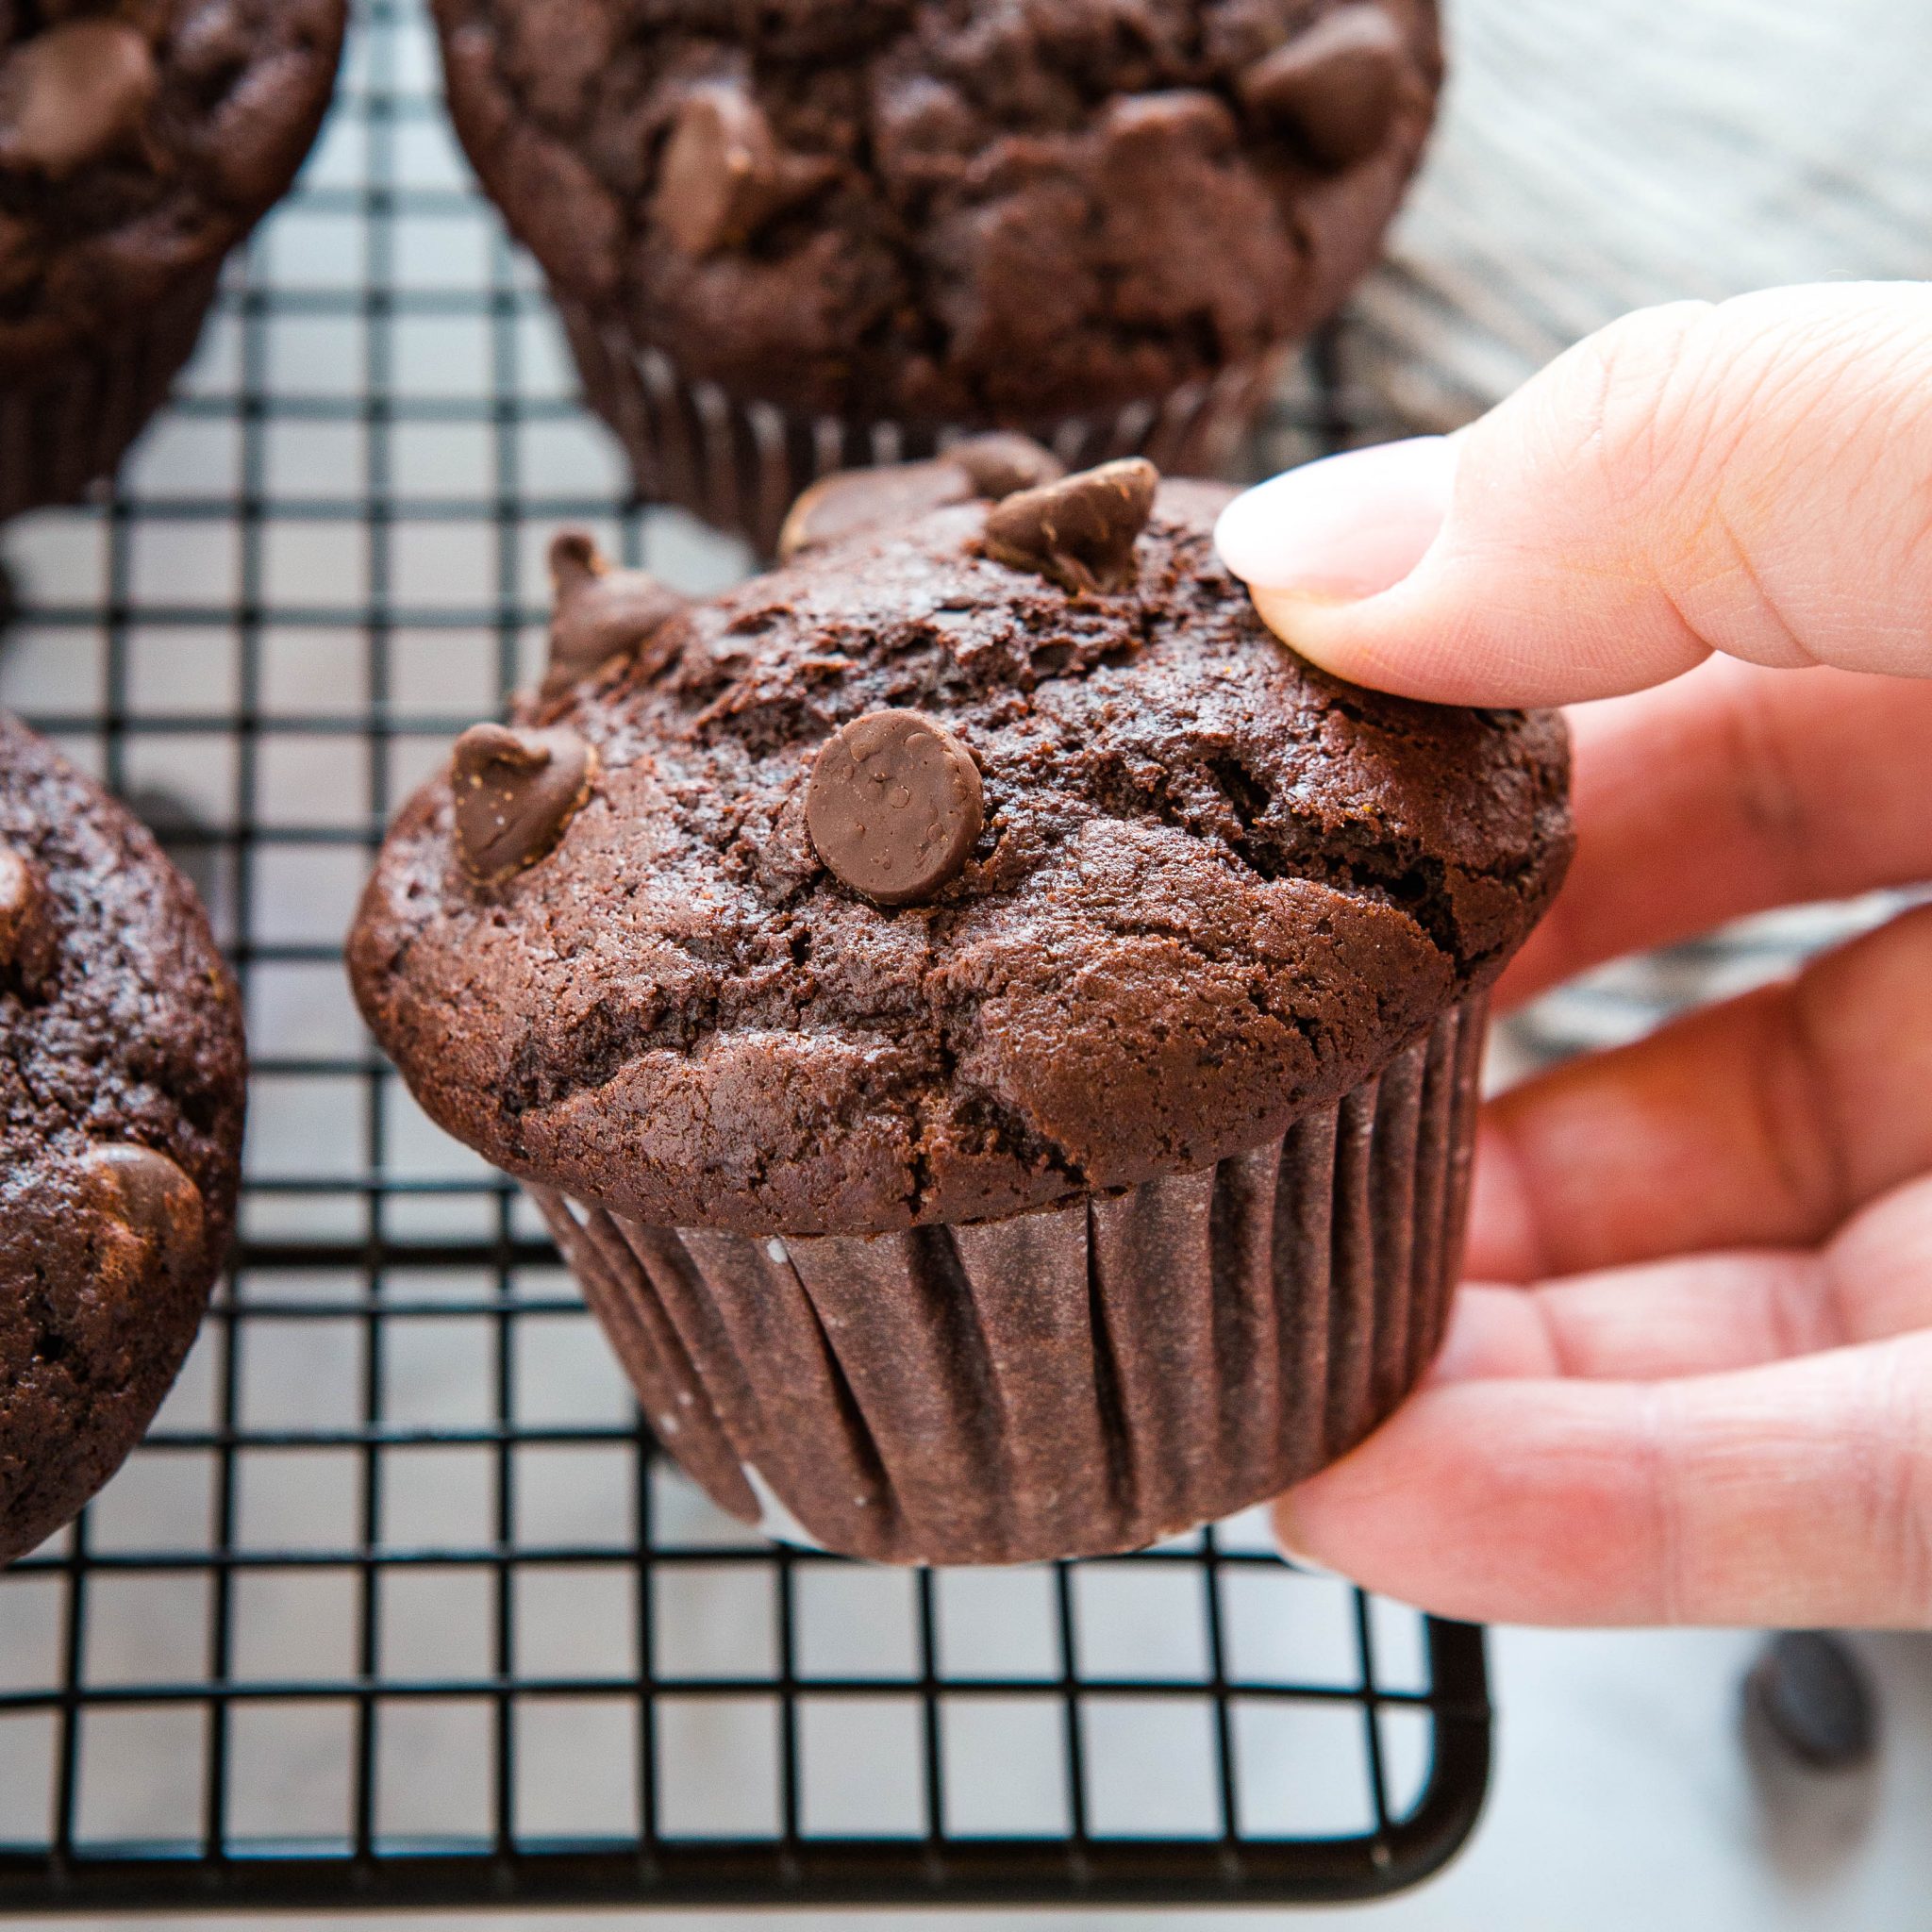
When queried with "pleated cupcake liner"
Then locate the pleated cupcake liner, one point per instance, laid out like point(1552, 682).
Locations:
point(64, 427)
point(740, 465)
point(1069, 1382)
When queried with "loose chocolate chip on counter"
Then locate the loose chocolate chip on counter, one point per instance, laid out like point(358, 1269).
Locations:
point(75, 95)
point(600, 613)
point(895, 806)
point(850, 500)
point(28, 943)
point(1004, 461)
point(516, 794)
point(146, 1191)
point(1336, 86)
point(724, 175)
point(1814, 1700)
point(1079, 531)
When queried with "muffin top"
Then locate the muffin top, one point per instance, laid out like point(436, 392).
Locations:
point(120, 1101)
point(1153, 885)
point(919, 210)
point(138, 141)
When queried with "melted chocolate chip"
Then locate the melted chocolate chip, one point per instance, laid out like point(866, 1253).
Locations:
point(1079, 531)
point(724, 175)
point(1004, 462)
point(75, 95)
point(1336, 86)
point(28, 943)
point(516, 794)
point(601, 612)
point(1179, 118)
point(149, 1195)
point(851, 501)
point(719, 165)
point(895, 806)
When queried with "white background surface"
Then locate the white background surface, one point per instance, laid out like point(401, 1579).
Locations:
point(1622, 1805)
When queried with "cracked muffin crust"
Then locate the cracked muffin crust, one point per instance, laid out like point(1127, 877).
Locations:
point(140, 140)
point(1211, 891)
point(917, 210)
point(121, 1106)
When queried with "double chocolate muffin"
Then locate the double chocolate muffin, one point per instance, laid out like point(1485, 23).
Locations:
point(120, 1104)
point(784, 239)
point(139, 140)
point(994, 1032)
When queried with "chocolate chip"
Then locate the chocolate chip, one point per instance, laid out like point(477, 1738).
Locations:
point(516, 794)
point(1079, 531)
point(601, 613)
point(895, 806)
point(851, 501)
point(724, 175)
point(28, 943)
point(1176, 118)
point(144, 1191)
point(73, 95)
point(1815, 1700)
point(1336, 86)
point(719, 162)
point(1005, 461)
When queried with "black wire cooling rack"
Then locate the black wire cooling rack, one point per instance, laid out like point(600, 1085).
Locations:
point(396, 1606)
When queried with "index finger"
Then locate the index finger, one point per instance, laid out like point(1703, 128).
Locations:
point(1754, 478)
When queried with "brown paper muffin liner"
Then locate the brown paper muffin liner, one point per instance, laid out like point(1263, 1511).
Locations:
point(1064, 1383)
point(740, 465)
point(63, 427)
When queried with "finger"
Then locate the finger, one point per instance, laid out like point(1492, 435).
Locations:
point(1762, 1122)
point(1754, 478)
point(1726, 792)
point(1795, 1494)
point(1704, 1314)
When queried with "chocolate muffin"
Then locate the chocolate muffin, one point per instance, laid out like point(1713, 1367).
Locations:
point(139, 140)
point(784, 239)
point(994, 1032)
point(121, 1101)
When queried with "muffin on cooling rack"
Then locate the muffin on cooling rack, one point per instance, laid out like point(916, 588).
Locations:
point(139, 141)
point(994, 1033)
point(121, 1101)
point(787, 239)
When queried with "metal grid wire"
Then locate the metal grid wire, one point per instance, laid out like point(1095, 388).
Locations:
point(397, 1604)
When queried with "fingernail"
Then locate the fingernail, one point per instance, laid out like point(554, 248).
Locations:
point(1346, 527)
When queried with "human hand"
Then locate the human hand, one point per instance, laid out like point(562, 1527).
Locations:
point(1691, 1380)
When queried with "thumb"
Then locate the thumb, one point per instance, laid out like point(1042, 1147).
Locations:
point(1754, 478)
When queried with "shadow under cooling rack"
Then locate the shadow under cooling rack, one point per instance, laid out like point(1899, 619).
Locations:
point(397, 1604)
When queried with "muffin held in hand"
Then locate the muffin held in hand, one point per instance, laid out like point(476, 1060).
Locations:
point(994, 1033)
point(120, 1099)
point(784, 239)
point(139, 142)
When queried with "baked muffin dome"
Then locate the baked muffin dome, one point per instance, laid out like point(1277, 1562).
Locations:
point(121, 1106)
point(915, 210)
point(1210, 886)
point(140, 140)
